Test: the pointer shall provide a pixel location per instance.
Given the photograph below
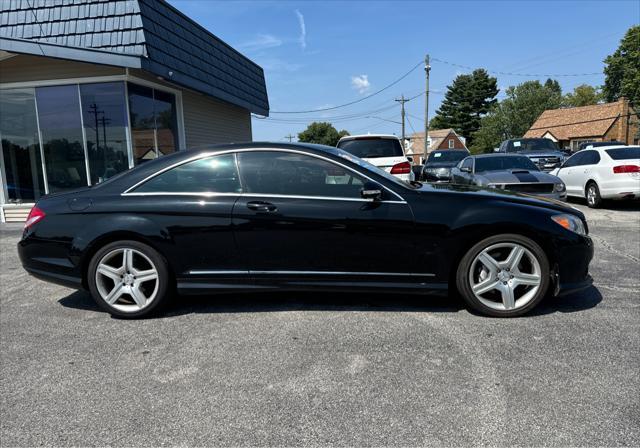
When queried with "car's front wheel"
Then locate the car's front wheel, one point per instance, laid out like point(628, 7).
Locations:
point(129, 279)
point(503, 276)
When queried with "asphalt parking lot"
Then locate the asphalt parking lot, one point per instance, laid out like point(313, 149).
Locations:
point(312, 369)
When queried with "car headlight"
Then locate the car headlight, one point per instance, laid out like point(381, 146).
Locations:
point(570, 222)
point(560, 187)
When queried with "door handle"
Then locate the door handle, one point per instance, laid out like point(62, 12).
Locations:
point(261, 206)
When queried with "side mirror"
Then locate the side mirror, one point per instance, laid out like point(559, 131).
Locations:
point(465, 169)
point(371, 190)
point(496, 149)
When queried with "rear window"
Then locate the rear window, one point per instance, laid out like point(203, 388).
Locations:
point(446, 156)
point(504, 163)
point(624, 153)
point(371, 148)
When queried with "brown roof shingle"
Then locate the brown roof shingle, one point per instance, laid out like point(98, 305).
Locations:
point(575, 122)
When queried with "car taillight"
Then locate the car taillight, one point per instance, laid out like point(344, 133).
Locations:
point(35, 215)
point(401, 168)
point(626, 169)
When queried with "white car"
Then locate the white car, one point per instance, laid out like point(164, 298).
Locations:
point(383, 151)
point(604, 172)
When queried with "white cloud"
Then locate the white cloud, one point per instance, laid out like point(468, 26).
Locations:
point(361, 83)
point(261, 42)
point(302, 40)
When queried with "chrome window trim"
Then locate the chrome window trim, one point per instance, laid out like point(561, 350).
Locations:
point(129, 191)
point(231, 272)
point(262, 195)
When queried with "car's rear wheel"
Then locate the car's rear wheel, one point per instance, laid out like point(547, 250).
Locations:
point(503, 276)
point(129, 279)
point(594, 200)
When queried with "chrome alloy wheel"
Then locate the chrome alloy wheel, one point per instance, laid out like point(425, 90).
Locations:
point(127, 280)
point(505, 276)
point(591, 194)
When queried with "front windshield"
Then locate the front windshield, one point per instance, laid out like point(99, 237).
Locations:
point(364, 164)
point(504, 163)
point(446, 156)
point(533, 144)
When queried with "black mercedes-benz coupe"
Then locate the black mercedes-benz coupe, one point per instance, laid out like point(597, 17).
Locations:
point(265, 216)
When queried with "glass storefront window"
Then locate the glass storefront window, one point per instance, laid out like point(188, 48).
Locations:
point(20, 145)
point(154, 129)
point(60, 126)
point(166, 126)
point(105, 126)
point(80, 124)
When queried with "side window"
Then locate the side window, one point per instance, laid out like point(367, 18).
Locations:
point(467, 163)
point(217, 174)
point(591, 158)
point(574, 160)
point(285, 173)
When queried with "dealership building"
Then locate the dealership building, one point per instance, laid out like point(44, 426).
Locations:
point(90, 88)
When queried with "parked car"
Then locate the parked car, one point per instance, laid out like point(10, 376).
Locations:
point(383, 151)
point(417, 171)
point(261, 216)
point(587, 145)
point(508, 172)
point(542, 151)
point(439, 164)
point(605, 172)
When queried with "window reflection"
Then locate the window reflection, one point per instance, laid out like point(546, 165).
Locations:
point(165, 110)
point(20, 145)
point(59, 115)
point(153, 122)
point(104, 116)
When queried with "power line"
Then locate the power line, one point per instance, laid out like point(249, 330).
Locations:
point(351, 102)
point(529, 75)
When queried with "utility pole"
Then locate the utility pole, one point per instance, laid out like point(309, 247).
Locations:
point(427, 69)
point(402, 101)
point(290, 137)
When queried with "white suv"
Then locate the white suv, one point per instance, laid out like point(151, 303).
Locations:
point(383, 151)
point(604, 172)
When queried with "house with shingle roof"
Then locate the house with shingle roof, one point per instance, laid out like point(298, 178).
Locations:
point(601, 122)
point(438, 139)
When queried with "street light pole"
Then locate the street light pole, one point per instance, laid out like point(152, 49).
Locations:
point(427, 69)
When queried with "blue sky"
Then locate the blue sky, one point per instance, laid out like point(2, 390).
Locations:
point(323, 54)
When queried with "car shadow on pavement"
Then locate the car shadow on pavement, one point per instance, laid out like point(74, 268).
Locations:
point(623, 206)
point(317, 301)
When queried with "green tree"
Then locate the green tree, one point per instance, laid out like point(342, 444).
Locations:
point(467, 100)
point(322, 133)
point(514, 115)
point(622, 71)
point(583, 95)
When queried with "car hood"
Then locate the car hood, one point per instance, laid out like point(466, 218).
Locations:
point(518, 176)
point(502, 195)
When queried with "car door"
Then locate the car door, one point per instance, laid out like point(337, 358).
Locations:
point(192, 204)
point(569, 173)
point(464, 177)
point(302, 215)
point(587, 169)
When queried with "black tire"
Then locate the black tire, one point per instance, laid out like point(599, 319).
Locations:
point(462, 275)
point(164, 278)
point(594, 200)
